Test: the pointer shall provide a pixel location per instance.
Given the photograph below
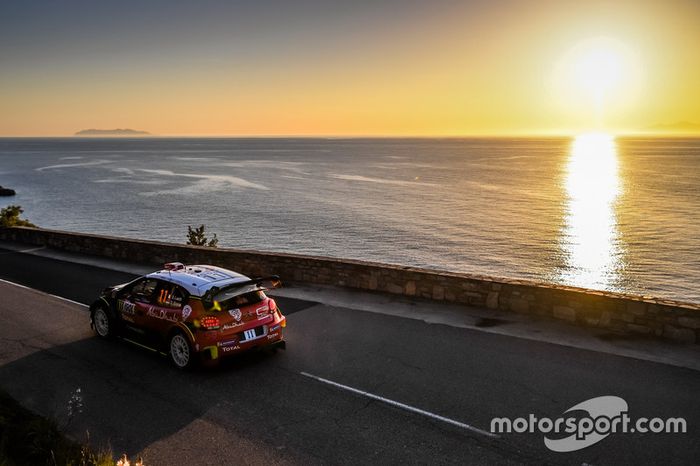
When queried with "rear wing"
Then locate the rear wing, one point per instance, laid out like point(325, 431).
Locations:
point(215, 294)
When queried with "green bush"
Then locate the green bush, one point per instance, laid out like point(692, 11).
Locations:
point(9, 217)
point(196, 237)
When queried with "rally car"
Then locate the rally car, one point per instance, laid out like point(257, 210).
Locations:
point(191, 313)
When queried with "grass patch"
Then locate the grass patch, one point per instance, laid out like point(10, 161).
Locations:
point(26, 438)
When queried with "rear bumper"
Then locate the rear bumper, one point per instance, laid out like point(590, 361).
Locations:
point(217, 352)
point(223, 345)
point(230, 345)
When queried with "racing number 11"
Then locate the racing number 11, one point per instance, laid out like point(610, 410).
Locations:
point(249, 334)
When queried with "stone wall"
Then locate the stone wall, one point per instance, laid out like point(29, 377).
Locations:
point(614, 311)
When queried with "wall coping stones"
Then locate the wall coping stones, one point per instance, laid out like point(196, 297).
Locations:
point(672, 319)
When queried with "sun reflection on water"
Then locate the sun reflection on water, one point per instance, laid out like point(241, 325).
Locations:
point(590, 241)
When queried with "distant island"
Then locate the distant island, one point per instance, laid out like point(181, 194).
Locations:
point(6, 191)
point(112, 132)
point(680, 127)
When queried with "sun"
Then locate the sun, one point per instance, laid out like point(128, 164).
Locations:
point(599, 69)
point(597, 76)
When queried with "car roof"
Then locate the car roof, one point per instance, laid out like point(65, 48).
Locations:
point(198, 279)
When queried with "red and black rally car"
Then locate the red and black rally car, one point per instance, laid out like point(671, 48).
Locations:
point(192, 311)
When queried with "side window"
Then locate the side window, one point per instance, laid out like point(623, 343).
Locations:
point(142, 292)
point(170, 295)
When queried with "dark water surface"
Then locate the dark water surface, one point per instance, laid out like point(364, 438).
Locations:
point(612, 214)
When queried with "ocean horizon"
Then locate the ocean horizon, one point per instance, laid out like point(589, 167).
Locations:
point(615, 214)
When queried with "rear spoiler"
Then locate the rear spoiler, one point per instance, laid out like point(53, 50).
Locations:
point(239, 288)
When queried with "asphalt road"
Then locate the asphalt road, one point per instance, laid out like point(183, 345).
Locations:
point(353, 387)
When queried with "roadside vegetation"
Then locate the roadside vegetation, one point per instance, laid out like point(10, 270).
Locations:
point(9, 217)
point(26, 438)
point(197, 237)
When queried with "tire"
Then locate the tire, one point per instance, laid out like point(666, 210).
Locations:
point(103, 323)
point(180, 351)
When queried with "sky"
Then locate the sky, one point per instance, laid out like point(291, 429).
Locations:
point(348, 68)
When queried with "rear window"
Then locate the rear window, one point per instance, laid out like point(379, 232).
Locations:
point(242, 293)
point(241, 300)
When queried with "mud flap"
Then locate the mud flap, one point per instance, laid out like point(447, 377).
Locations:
point(282, 344)
point(213, 352)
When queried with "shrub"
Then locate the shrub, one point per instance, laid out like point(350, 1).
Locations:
point(9, 217)
point(196, 237)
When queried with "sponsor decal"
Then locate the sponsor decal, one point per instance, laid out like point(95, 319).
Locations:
point(262, 309)
point(230, 326)
point(169, 298)
point(227, 343)
point(275, 327)
point(186, 311)
point(128, 318)
point(226, 349)
point(125, 307)
point(162, 314)
point(236, 314)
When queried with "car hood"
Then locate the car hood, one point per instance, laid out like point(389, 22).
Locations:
point(111, 289)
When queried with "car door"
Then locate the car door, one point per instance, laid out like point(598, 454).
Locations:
point(165, 308)
point(134, 302)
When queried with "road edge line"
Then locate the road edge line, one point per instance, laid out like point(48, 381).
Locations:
point(403, 406)
point(68, 300)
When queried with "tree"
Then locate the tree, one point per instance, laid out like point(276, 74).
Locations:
point(9, 217)
point(196, 237)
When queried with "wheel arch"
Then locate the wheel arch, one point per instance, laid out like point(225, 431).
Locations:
point(101, 303)
point(180, 328)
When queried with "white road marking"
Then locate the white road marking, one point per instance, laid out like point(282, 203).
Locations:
point(405, 407)
point(16, 284)
point(52, 295)
point(68, 300)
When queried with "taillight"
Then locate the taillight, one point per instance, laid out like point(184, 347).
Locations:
point(209, 322)
point(272, 304)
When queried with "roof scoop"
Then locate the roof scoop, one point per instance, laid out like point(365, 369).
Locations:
point(174, 266)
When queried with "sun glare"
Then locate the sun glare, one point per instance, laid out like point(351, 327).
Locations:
point(599, 71)
point(591, 235)
point(597, 77)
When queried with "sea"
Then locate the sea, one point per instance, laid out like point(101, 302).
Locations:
point(594, 211)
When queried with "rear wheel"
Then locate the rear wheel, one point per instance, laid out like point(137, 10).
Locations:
point(103, 323)
point(181, 354)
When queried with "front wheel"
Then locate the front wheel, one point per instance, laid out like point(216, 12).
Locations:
point(180, 353)
point(102, 323)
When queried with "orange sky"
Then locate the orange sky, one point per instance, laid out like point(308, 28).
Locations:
point(456, 68)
